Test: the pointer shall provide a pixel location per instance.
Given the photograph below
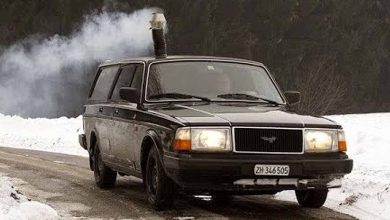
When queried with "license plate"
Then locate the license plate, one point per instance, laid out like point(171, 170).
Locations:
point(271, 170)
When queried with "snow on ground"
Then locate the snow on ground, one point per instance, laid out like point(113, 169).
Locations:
point(15, 206)
point(365, 193)
point(55, 135)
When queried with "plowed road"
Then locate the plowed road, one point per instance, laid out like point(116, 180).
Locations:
point(66, 183)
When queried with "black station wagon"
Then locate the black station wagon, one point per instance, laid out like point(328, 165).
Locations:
point(218, 126)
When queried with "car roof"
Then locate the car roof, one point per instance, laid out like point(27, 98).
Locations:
point(177, 58)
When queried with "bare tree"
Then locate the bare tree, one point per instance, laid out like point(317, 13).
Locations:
point(322, 88)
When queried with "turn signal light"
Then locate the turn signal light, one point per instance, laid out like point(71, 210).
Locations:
point(342, 143)
point(342, 146)
point(182, 145)
point(182, 140)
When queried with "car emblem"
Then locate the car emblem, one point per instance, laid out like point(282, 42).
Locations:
point(271, 140)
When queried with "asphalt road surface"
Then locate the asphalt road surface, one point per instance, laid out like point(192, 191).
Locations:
point(66, 183)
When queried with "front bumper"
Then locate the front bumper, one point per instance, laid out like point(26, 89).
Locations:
point(235, 172)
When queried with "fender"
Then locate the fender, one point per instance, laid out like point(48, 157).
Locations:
point(90, 153)
point(156, 141)
point(89, 139)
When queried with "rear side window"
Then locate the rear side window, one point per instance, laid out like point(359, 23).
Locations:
point(125, 78)
point(104, 83)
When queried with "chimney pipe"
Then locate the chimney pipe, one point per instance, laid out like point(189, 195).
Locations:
point(157, 24)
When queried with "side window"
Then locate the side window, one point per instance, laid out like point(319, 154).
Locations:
point(137, 81)
point(124, 80)
point(104, 83)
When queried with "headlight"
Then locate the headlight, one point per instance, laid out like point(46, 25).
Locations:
point(321, 140)
point(202, 139)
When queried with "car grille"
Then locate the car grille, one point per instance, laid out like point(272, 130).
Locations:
point(268, 140)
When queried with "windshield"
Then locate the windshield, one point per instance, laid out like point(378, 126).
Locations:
point(217, 81)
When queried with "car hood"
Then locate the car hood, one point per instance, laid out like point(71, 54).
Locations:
point(242, 114)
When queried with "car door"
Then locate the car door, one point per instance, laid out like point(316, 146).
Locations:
point(124, 129)
point(99, 111)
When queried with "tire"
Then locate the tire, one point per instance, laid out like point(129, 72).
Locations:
point(221, 198)
point(91, 164)
point(311, 198)
point(105, 177)
point(160, 189)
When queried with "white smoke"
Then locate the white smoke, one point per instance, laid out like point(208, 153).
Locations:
point(50, 77)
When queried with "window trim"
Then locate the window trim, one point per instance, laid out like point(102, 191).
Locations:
point(97, 74)
point(210, 60)
point(117, 76)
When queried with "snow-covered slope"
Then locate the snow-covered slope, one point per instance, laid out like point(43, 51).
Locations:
point(56, 135)
point(15, 206)
point(365, 192)
point(368, 136)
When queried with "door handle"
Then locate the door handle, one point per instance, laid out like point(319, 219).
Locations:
point(100, 109)
point(116, 111)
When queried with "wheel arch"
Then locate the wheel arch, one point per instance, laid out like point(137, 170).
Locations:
point(91, 147)
point(150, 140)
point(92, 141)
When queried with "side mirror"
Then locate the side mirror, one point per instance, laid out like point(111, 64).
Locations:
point(293, 97)
point(129, 94)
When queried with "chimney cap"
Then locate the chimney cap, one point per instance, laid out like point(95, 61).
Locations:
point(158, 21)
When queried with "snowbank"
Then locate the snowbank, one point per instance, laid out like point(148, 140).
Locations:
point(56, 135)
point(15, 206)
point(365, 193)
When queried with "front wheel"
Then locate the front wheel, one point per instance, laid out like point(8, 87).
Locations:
point(221, 198)
point(105, 177)
point(314, 198)
point(159, 188)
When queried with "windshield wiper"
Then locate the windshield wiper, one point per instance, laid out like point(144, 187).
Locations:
point(174, 95)
point(243, 96)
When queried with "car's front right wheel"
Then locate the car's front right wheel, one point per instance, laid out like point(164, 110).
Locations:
point(221, 198)
point(159, 188)
point(313, 198)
